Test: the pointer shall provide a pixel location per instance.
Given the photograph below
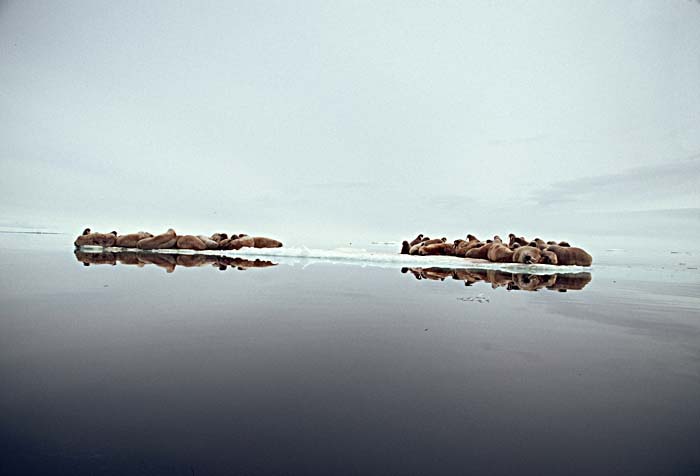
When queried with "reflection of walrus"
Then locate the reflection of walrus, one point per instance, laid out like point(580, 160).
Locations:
point(500, 253)
point(159, 259)
point(129, 258)
point(405, 246)
point(570, 255)
point(533, 282)
point(190, 242)
point(162, 241)
point(131, 240)
point(106, 257)
point(192, 261)
point(527, 255)
point(576, 281)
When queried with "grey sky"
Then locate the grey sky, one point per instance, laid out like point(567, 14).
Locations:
point(353, 119)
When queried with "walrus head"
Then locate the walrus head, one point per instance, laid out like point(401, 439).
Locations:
point(471, 237)
point(563, 243)
point(515, 246)
point(497, 239)
point(86, 231)
point(548, 257)
point(532, 243)
point(113, 233)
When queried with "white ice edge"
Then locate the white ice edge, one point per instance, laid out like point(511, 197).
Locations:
point(359, 257)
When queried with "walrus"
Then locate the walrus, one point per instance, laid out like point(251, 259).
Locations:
point(540, 243)
point(512, 239)
point(463, 247)
point(162, 241)
point(570, 255)
point(500, 253)
point(131, 240)
point(548, 257)
point(190, 242)
point(262, 242)
point(240, 242)
point(527, 255)
point(405, 246)
point(479, 252)
point(209, 243)
point(437, 249)
point(563, 243)
point(414, 249)
point(416, 240)
point(218, 237)
point(88, 238)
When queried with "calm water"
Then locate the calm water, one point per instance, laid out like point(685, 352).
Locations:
point(336, 369)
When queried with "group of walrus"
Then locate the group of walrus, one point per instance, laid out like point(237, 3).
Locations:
point(517, 250)
point(171, 240)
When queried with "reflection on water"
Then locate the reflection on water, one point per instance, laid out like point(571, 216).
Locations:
point(511, 281)
point(168, 261)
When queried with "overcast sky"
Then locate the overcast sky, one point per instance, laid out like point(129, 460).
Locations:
point(346, 119)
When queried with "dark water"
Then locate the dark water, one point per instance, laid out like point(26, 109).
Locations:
point(335, 369)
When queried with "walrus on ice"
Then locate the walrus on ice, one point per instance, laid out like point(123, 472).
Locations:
point(131, 240)
point(88, 238)
point(500, 253)
point(162, 241)
point(527, 255)
point(416, 240)
point(570, 255)
point(190, 242)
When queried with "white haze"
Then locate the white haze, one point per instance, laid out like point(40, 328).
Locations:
point(331, 122)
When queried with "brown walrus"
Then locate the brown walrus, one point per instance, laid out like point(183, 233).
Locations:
point(240, 242)
point(209, 243)
point(527, 255)
point(479, 252)
point(131, 240)
point(95, 239)
point(500, 253)
point(262, 242)
point(190, 242)
point(437, 249)
point(416, 240)
point(463, 247)
point(548, 257)
point(570, 255)
point(162, 241)
point(415, 248)
point(512, 239)
point(218, 237)
point(405, 246)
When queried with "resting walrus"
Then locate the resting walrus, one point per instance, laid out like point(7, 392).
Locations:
point(405, 246)
point(416, 240)
point(500, 253)
point(437, 249)
point(527, 255)
point(570, 255)
point(162, 241)
point(262, 242)
point(95, 239)
point(238, 243)
point(131, 240)
point(190, 242)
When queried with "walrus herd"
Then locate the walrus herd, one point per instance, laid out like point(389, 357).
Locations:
point(171, 240)
point(517, 250)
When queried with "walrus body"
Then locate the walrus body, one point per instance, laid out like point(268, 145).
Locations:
point(209, 243)
point(238, 243)
point(131, 240)
point(162, 241)
point(500, 253)
point(262, 242)
point(437, 249)
point(527, 255)
point(479, 252)
point(95, 239)
point(416, 240)
point(570, 255)
point(463, 247)
point(190, 242)
point(405, 247)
